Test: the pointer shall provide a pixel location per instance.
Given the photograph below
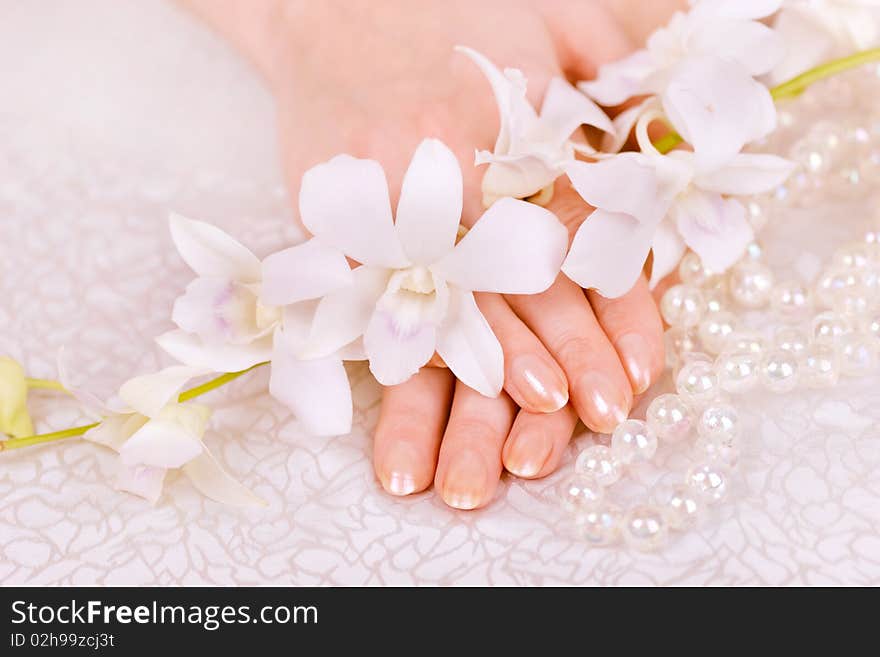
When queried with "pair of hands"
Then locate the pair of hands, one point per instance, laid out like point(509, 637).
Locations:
point(372, 79)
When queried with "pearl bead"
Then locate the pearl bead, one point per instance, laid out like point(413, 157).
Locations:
point(669, 418)
point(820, 366)
point(597, 461)
point(677, 342)
point(750, 284)
point(692, 272)
point(858, 354)
point(725, 452)
point(719, 422)
point(791, 300)
point(709, 479)
point(645, 528)
point(870, 325)
point(737, 371)
point(852, 256)
point(682, 305)
point(830, 327)
point(754, 251)
point(633, 442)
point(779, 371)
point(579, 492)
point(789, 338)
point(697, 383)
point(714, 330)
point(684, 508)
point(746, 341)
point(756, 214)
point(832, 282)
point(600, 524)
point(715, 298)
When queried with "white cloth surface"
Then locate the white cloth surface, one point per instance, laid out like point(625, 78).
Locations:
point(114, 114)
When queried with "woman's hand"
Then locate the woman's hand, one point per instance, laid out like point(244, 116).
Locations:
point(372, 79)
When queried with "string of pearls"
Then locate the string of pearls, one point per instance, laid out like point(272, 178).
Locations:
point(816, 334)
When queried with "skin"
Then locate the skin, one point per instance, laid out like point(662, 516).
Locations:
point(372, 79)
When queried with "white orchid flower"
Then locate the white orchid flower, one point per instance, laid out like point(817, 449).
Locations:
point(154, 434)
point(815, 31)
point(531, 149)
point(240, 312)
point(651, 202)
point(413, 294)
point(702, 68)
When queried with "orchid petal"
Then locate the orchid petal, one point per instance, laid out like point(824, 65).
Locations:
point(746, 174)
point(623, 124)
point(150, 393)
point(516, 176)
point(754, 45)
point(620, 80)
point(141, 480)
point(91, 403)
point(316, 391)
point(343, 316)
point(715, 228)
point(514, 248)
point(211, 252)
point(115, 430)
point(468, 346)
point(608, 253)
point(344, 203)
point(429, 210)
point(307, 271)
point(565, 109)
point(218, 310)
point(809, 43)
point(194, 352)
point(668, 249)
point(354, 350)
point(170, 440)
point(209, 477)
point(718, 108)
point(740, 9)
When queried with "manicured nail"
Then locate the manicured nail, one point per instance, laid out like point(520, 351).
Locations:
point(466, 480)
point(605, 405)
point(539, 386)
point(636, 355)
point(399, 468)
point(526, 453)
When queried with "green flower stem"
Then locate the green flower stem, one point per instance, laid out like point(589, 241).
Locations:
point(794, 87)
point(186, 395)
point(45, 384)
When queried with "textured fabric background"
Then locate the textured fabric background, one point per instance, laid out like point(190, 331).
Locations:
point(114, 113)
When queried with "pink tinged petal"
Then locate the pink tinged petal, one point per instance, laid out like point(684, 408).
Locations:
point(316, 391)
point(468, 346)
point(193, 351)
point(514, 248)
point(565, 109)
point(752, 44)
point(169, 440)
point(746, 174)
point(306, 271)
point(212, 481)
point(150, 393)
point(218, 310)
point(715, 228)
point(625, 184)
point(621, 80)
point(342, 316)
point(115, 430)
point(668, 249)
point(141, 480)
point(741, 9)
point(429, 210)
point(344, 203)
point(211, 252)
point(808, 43)
point(353, 351)
point(516, 176)
point(718, 108)
point(608, 253)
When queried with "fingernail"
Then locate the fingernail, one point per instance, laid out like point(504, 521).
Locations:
point(527, 453)
point(466, 480)
point(399, 467)
point(635, 353)
point(539, 386)
point(606, 405)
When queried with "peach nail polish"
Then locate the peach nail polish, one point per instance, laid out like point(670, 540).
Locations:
point(635, 354)
point(527, 454)
point(466, 480)
point(399, 468)
point(604, 404)
point(538, 385)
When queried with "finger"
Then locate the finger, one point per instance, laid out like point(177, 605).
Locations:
point(537, 442)
point(470, 456)
point(411, 422)
point(632, 324)
point(531, 376)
